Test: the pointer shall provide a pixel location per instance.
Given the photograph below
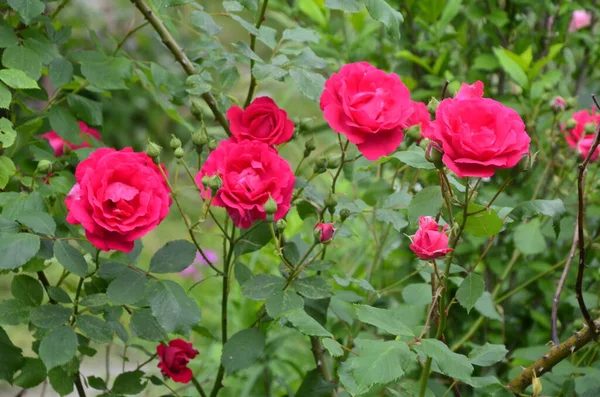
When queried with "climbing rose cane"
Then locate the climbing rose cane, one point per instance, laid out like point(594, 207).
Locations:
point(174, 359)
point(429, 242)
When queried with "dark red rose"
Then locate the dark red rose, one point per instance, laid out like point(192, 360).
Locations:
point(175, 358)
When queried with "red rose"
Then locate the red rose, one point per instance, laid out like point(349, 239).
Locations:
point(420, 115)
point(582, 118)
point(429, 242)
point(478, 135)
point(325, 231)
point(119, 197)
point(262, 121)
point(585, 144)
point(175, 358)
point(368, 106)
point(58, 143)
point(251, 172)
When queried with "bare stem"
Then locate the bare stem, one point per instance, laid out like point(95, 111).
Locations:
point(252, 86)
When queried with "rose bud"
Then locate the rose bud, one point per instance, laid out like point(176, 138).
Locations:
point(174, 359)
point(175, 143)
point(323, 232)
point(429, 242)
point(434, 155)
point(558, 104)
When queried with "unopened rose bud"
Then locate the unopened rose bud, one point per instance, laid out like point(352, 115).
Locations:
point(590, 128)
point(344, 214)
point(570, 124)
point(196, 110)
point(280, 225)
point(523, 165)
point(433, 105)
point(414, 132)
point(571, 102)
point(175, 142)
point(331, 201)
point(323, 232)
point(558, 104)
point(199, 138)
point(310, 144)
point(424, 143)
point(153, 150)
point(270, 206)
point(434, 155)
point(214, 183)
point(334, 162)
point(321, 162)
point(212, 145)
point(44, 166)
point(179, 152)
point(319, 170)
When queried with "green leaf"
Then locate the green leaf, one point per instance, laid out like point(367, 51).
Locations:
point(27, 290)
point(387, 320)
point(426, 202)
point(381, 11)
point(94, 300)
point(449, 363)
point(65, 124)
point(511, 67)
point(14, 312)
point(391, 217)
point(7, 170)
point(17, 79)
point(23, 59)
point(38, 222)
point(129, 383)
point(485, 307)
point(27, 9)
point(253, 240)
point(172, 307)
point(7, 226)
point(268, 36)
point(487, 355)
point(60, 381)
point(33, 372)
point(314, 11)
point(58, 347)
point(173, 257)
point(10, 357)
point(484, 223)
point(128, 288)
point(282, 302)
point(261, 286)
point(244, 50)
point(5, 100)
point(313, 287)
point(313, 385)
point(553, 208)
point(380, 362)
point(487, 62)
point(205, 22)
point(95, 328)
point(470, 290)
point(17, 249)
point(417, 294)
point(86, 109)
point(529, 239)
point(107, 73)
point(59, 295)
point(97, 383)
point(450, 11)
point(333, 347)
point(8, 38)
point(144, 325)
point(70, 258)
point(309, 83)
point(264, 71)
point(50, 316)
point(344, 5)
point(300, 34)
point(242, 349)
point(61, 72)
point(7, 133)
point(415, 157)
point(43, 47)
point(245, 24)
point(306, 324)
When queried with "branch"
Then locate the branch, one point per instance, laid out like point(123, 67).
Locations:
point(181, 57)
point(554, 356)
point(259, 22)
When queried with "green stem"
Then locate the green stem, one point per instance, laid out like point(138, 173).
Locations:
point(252, 85)
point(198, 387)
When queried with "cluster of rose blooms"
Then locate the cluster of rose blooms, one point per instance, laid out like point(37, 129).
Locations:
point(121, 195)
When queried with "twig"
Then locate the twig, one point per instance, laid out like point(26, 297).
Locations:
point(318, 354)
point(44, 280)
point(444, 89)
point(58, 9)
point(78, 384)
point(252, 86)
point(561, 284)
point(128, 35)
point(198, 387)
point(181, 57)
point(580, 224)
point(431, 309)
point(554, 356)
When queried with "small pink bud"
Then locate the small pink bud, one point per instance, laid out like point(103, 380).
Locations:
point(558, 104)
point(324, 232)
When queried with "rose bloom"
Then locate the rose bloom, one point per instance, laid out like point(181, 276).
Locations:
point(478, 135)
point(251, 172)
point(120, 196)
point(192, 271)
point(584, 146)
point(175, 358)
point(368, 106)
point(579, 20)
point(429, 242)
point(582, 118)
point(325, 230)
point(420, 115)
point(262, 121)
point(58, 143)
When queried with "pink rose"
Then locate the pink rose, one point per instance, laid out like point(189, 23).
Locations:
point(251, 172)
point(582, 118)
point(558, 104)
point(58, 143)
point(192, 271)
point(368, 106)
point(174, 359)
point(420, 115)
point(429, 242)
point(478, 135)
point(579, 20)
point(119, 197)
point(584, 146)
point(262, 121)
point(325, 231)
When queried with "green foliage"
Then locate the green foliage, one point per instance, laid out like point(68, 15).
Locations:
point(243, 349)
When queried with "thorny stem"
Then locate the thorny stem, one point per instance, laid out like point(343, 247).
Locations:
point(252, 87)
point(181, 57)
point(198, 387)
